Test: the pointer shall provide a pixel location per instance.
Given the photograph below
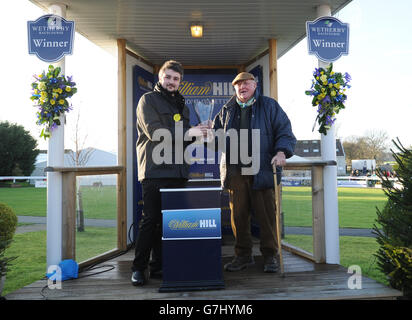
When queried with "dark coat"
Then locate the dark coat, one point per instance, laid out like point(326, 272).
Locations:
point(275, 135)
point(156, 111)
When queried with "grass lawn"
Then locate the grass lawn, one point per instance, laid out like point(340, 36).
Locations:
point(357, 206)
point(30, 250)
point(98, 202)
point(361, 256)
point(25, 201)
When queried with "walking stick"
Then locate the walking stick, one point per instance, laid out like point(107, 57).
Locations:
point(279, 240)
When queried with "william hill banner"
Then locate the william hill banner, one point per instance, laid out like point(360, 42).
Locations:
point(188, 224)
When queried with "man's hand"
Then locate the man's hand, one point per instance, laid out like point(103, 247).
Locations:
point(200, 130)
point(279, 160)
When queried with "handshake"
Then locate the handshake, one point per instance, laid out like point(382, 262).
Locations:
point(203, 131)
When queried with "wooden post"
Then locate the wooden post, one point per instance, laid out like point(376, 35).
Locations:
point(69, 216)
point(318, 215)
point(122, 148)
point(273, 69)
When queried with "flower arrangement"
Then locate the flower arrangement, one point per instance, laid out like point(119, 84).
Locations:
point(50, 91)
point(329, 93)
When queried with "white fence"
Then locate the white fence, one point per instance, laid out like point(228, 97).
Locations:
point(41, 181)
point(343, 181)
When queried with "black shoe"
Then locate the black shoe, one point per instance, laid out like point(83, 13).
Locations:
point(270, 264)
point(156, 274)
point(139, 278)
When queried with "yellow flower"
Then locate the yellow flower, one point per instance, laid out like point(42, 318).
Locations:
point(52, 102)
point(35, 91)
point(43, 94)
point(42, 85)
point(68, 89)
point(333, 93)
point(337, 85)
point(55, 95)
point(61, 101)
point(59, 90)
point(330, 85)
point(323, 78)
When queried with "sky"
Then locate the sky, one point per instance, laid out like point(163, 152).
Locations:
point(379, 62)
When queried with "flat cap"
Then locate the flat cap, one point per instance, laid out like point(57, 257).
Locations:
point(243, 76)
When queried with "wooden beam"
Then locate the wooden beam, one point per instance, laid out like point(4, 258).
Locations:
point(69, 216)
point(121, 154)
point(260, 55)
point(298, 251)
point(318, 215)
point(273, 69)
point(202, 67)
point(136, 56)
point(86, 171)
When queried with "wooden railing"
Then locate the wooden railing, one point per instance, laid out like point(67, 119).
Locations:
point(69, 175)
point(318, 210)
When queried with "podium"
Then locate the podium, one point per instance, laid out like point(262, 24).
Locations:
point(191, 241)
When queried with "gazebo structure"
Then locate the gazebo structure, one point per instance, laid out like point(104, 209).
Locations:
point(237, 36)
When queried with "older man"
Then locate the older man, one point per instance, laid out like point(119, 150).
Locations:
point(250, 112)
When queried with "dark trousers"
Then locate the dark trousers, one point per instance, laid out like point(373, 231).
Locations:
point(242, 199)
point(149, 238)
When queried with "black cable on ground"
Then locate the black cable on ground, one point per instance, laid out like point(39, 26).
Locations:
point(95, 265)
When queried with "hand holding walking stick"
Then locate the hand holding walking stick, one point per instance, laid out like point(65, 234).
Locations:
point(278, 231)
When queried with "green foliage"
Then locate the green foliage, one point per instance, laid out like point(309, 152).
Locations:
point(8, 224)
point(17, 150)
point(395, 237)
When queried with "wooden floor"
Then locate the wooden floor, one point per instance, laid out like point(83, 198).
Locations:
point(303, 279)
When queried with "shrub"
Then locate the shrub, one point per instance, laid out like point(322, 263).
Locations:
point(8, 224)
point(395, 238)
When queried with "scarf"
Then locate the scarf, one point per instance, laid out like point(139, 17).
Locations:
point(175, 98)
point(246, 104)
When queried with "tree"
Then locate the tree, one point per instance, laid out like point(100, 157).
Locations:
point(17, 150)
point(395, 238)
point(377, 141)
point(372, 145)
point(79, 158)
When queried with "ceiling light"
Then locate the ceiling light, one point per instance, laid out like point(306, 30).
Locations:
point(196, 30)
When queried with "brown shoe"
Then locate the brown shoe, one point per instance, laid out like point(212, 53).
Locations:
point(239, 263)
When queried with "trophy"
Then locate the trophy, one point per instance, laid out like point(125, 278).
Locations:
point(204, 109)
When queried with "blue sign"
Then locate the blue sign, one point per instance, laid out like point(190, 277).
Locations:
point(328, 38)
point(50, 37)
point(191, 224)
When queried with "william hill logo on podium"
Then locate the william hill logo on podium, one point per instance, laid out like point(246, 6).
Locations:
point(191, 224)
